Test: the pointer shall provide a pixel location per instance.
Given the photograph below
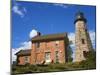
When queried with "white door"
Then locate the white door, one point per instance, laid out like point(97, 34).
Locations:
point(47, 57)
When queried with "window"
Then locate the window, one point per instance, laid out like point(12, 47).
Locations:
point(57, 56)
point(84, 53)
point(83, 41)
point(47, 55)
point(37, 44)
point(26, 59)
point(57, 43)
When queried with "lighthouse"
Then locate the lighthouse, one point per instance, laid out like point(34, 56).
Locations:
point(82, 39)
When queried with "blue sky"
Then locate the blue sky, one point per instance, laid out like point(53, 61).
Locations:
point(47, 18)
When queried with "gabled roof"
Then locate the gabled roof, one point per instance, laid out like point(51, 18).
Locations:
point(24, 52)
point(49, 37)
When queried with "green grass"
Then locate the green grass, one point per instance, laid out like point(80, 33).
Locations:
point(49, 68)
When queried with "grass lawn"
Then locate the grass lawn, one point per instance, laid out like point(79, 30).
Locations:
point(48, 68)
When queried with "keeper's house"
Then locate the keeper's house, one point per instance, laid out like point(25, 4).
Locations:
point(45, 49)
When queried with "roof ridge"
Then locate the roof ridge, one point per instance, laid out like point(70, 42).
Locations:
point(54, 34)
point(50, 36)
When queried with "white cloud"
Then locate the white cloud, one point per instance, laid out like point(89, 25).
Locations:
point(24, 45)
point(71, 37)
point(13, 54)
point(33, 33)
point(20, 11)
point(60, 5)
point(92, 36)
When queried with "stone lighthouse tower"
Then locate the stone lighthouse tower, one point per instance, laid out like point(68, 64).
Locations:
point(82, 38)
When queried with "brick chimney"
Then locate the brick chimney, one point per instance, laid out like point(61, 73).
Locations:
point(38, 34)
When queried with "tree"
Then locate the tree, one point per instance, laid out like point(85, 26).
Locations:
point(69, 52)
point(90, 62)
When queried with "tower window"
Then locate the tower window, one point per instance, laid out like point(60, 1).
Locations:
point(37, 44)
point(83, 41)
point(84, 53)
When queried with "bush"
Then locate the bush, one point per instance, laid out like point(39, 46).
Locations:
point(90, 62)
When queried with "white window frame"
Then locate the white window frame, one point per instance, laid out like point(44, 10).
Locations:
point(48, 57)
point(26, 59)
